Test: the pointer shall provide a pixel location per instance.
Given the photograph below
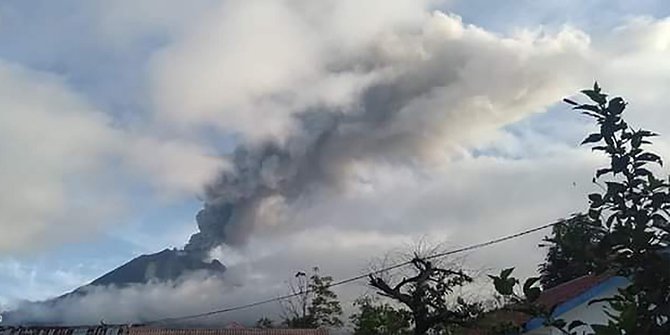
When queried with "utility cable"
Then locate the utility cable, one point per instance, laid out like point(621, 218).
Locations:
point(359, 277)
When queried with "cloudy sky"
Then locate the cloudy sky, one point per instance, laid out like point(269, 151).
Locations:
point(115, 115)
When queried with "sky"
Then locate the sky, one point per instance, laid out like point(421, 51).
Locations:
point(115, 116)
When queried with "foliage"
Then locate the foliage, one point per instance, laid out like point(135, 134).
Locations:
point(634, 210)
point(632, 213)
point(325, 309)
point(572, 251)
point(524, 299)
point(315, 306)
point(375, 318)
point(265, 323)
point(426, 296)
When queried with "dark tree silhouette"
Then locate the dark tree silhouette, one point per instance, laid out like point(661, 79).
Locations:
point(315, 304)
point(374, 318)
point(426, 296)
point(634, 210)
point(633, 213)
point(265, 323)
point(572, 251)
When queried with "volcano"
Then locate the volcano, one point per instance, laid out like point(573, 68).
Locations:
point(167, 265)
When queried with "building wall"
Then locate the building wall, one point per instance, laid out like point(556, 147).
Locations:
point(579, 309)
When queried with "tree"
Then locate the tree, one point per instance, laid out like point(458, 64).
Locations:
point(634, 210)
point(374, 318)
point(315, 305)
point(265, 323)
point(572, 251)
point(633, 213)
point(523, 299)
point(426, 295)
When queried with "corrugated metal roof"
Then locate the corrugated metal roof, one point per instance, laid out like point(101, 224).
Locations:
point(126, 330)
point(549, 298)
point(206, 331)
point(95, 330)
point(568, 290)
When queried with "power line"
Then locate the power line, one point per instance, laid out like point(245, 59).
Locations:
point(356, 278)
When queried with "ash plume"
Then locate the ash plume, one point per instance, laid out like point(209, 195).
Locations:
point(426, 94)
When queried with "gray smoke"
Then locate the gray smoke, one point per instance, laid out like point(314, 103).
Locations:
point(431, 93)
point(313, 158)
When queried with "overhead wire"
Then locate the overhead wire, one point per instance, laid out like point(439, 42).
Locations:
point(355, 278)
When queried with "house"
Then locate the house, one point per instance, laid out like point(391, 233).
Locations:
point(570, 301)
point(140, 330)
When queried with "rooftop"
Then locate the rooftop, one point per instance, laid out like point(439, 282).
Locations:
point(139, 330)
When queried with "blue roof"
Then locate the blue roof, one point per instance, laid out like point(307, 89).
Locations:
point(588, 295)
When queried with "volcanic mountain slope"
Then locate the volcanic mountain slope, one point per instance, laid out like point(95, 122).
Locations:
point(167, 265)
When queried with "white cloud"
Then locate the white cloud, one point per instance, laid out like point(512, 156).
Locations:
point(125, 23)
point(63, 163)
point(50, 141)
point(466, 203)
point(173, 167)
point(633, 62)
point(250, 67)
point(22, 281)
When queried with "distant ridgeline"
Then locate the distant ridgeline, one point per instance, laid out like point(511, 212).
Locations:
point(169, 265)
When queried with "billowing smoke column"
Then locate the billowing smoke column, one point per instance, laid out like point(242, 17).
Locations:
point(391, 122)
point(414, 95)
point(234, 200)
point(308, 159)
point(318, 155)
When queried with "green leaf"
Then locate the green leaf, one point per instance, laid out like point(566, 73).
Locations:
point(616, 106)
point(594, 214)
point(647, 133)
point(607, 130)
point(568, 101)
point(642, 172)
point(605, 330)
point(653, 182)
point(576, 324)
point(649, 157)
point(587, 107)
point(594, 115)
point(659, 219)
point(595, 137)
point(619, 163)
point(504, 286)
point(596, 199)
point(560, 323)
point(636, 141)
point(529, 283)
point(504, 274)
point(595, 96)
point(622, 125)
point(601, 172)
point(628, 317)
point(533, 293)
point(615, 188)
